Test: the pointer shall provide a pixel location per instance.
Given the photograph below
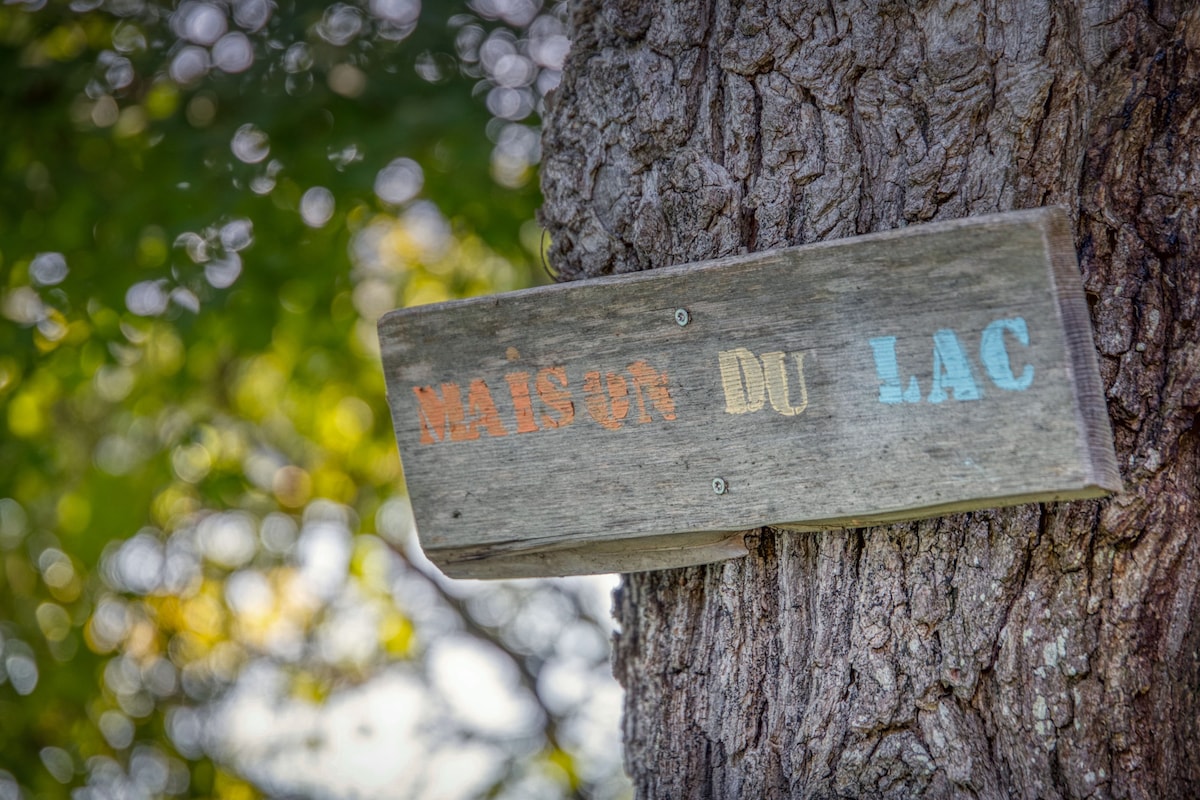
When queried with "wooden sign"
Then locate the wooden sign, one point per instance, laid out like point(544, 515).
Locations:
point(645, 421)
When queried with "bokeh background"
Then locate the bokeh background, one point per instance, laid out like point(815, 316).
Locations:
point(209, 583)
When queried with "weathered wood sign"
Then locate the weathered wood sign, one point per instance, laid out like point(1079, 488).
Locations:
point(645, 421)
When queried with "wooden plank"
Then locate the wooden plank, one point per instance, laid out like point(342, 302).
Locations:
point(643, 421)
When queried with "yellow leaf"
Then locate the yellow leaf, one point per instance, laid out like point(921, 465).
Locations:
point(230, 787)
point(26, 415)
point(65, 42)
point(334, 484)
point(74, 513)
point(397, 635)
point(162, 99)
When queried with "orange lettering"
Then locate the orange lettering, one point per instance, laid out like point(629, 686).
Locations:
point(445, 415)
point(649, 381)
point(483, 413)
point(557, 398)
point(434, 412)
point(518, 387)
point(610, 410)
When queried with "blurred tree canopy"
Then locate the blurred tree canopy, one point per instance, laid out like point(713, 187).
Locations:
point(206, 559)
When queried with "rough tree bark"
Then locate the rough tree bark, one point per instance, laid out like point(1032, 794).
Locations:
point(1041, 651)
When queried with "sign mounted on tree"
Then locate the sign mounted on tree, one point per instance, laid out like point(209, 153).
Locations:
point(645, 421)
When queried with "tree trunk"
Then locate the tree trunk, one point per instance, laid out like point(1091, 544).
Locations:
point(1040, 651)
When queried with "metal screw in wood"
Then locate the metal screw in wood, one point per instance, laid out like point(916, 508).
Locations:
point(719, 485)
point(682, 317)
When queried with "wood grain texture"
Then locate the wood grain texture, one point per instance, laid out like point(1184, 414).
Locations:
point(778, 385)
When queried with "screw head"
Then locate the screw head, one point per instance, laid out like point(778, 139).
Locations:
point(719, 485)
point(682, 317)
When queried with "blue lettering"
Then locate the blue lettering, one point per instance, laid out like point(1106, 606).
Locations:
point(994, 354)
point(884, 348)
point(951, 370)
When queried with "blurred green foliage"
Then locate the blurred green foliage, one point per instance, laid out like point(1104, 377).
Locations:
point(204, 208)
